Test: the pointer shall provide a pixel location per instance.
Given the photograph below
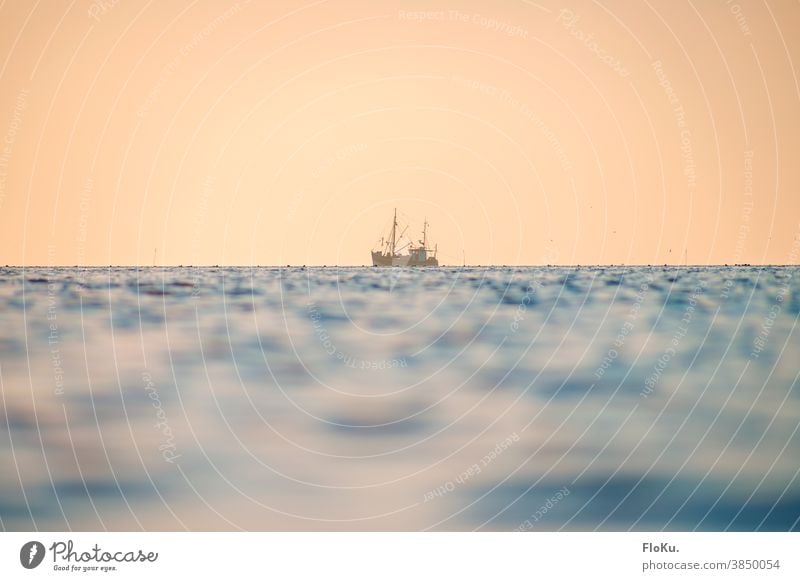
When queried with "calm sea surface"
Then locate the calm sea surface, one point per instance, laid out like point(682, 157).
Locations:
point(372, 399)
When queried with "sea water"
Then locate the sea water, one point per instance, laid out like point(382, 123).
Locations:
point(614, 398)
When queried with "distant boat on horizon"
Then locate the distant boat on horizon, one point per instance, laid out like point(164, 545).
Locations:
point(418, 254)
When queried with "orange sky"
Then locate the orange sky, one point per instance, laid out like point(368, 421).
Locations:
point(284, 132)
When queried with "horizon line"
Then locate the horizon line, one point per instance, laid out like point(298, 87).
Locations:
point(588, 265)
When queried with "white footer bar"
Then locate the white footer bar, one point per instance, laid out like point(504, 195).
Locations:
point(389, 556)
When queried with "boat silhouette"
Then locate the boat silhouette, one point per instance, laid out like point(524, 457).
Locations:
point(418, 254)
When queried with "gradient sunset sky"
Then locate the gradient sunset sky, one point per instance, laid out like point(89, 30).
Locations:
point(281, 133)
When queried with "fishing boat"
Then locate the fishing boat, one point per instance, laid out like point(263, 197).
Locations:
point(388, 253)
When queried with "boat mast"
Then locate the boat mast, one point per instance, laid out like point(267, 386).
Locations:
point(425, 233)
point(394, 230)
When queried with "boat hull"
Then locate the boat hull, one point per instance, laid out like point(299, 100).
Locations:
point(379, 259)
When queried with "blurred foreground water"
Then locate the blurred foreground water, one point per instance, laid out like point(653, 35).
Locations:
point(400, 399)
